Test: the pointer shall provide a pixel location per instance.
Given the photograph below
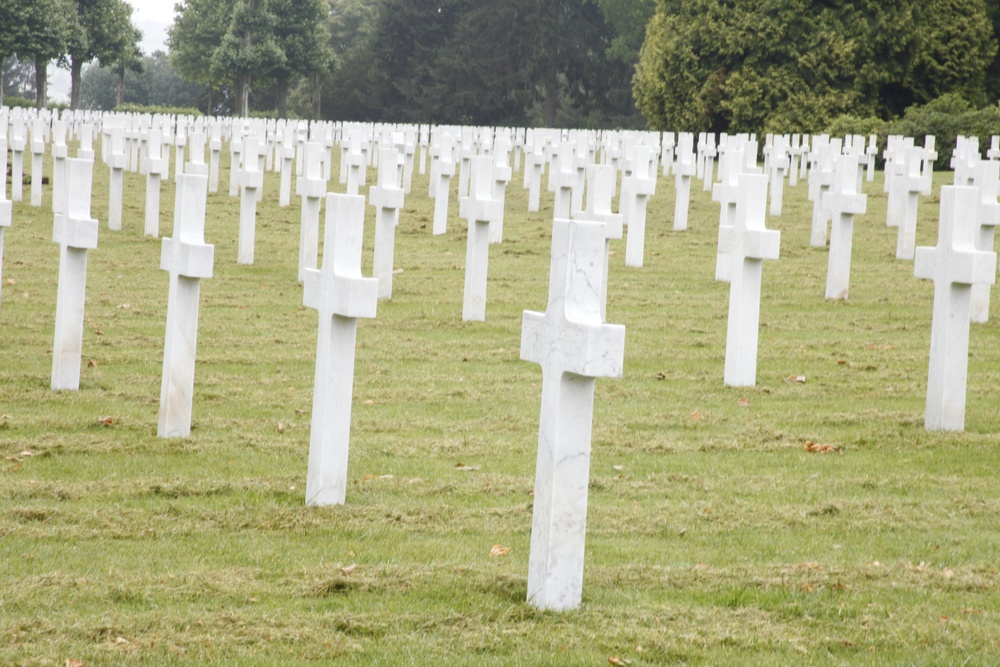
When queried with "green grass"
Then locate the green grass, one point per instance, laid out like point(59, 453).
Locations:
point(713, 537)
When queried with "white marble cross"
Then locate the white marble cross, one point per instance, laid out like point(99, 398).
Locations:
point(871, 152)
point(312, 188)
point(844, 202)
point(987, 219)
point(117, 161)
point(820, 181)
point(777, 168)
point(684, 169)
point(356, 164)
point(481, 211)
point(445, 168)
point(501, 177)
point(563, 180)
point(6, 209)
point(155, 167)
point(196, 154)
point(75, 232)
point(235, 160)
point(180, 142)
point(286, 153)
point(534, 162)
point(251, 179)
point(954, 265)
point(3, 158)
point(214, 149)
point(18, 142)
point(641, 185)
point(911, 183)
point(188, 259)
point(993, 153)
point(726, 193)
point(600, 191)
point(37, 160)
point(747, 244)
point(387, 198)
point(573, 347)
point(341, 295)
point(59, 154)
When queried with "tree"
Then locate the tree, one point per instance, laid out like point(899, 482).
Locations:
point(197, 30)
point(782, 65)
point(248, 49)
point(129, 59)
point(155, 83)
point(101, 29)
point(47, 25)
point(301, 33)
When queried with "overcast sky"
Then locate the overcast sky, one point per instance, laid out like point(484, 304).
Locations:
point(152, 17)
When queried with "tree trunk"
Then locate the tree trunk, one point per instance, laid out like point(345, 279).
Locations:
point(75, 70)
point(120, 88)
point(41, 80)
point(281, 86)
point(317, 95)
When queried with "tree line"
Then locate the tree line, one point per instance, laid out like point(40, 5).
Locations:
point(798, 65)
point(72, 32)
point(438, 61)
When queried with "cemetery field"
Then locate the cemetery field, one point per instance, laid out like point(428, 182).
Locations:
point(713, 535)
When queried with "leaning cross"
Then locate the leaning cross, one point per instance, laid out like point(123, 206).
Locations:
point(574, 348)
point(954, 265)
point(188, 259)
point(341, 295)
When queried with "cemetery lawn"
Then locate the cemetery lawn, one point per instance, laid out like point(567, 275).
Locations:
point(713, 536)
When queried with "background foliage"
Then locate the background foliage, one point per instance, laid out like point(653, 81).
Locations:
point(795, 65)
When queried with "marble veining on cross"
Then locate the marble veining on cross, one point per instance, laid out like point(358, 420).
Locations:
point(573, 347)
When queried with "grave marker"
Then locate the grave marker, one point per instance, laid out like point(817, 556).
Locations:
point(954, 265)
point(155, 167)
point(341, 295)
point(75, 232)
point(844, 202)
point(480, 209)
point(987, 219)
point(251, 179)
point(600, 191)
point(684, 169)
point(387, 198)
point(641, 185)
point(311, 186)
point(37, 160)
point(117, 161)
point(445, 166)
point(747, 244)
point(188, 259)
point(573, 347)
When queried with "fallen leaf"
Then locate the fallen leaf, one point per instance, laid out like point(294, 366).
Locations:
point(125, 306)
point(697, 416)
point(12, 458)
point(344, 571)
point(742, 402)
point(880, 347)
point(499, 551)
point(916, 568)
point(11, 281)
point(616, 661)
point(660, 375)
point(369, 402)
point(841, 362)
point(968, 610)
point(619, 468)
point(808, 566)
point(819, 448)
point(299, 412)
point(91, 363)
point(106, 421)
point(73, 663)
point(397, 272)
point(796, 379)
point(27, 452)
point(121, 640)
point(462, 466)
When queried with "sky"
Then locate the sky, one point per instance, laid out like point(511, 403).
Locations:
point(152, 17)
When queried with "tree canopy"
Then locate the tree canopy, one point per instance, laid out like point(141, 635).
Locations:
point(783, 65)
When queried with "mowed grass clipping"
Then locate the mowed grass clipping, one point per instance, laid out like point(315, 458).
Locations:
point(713, 536)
